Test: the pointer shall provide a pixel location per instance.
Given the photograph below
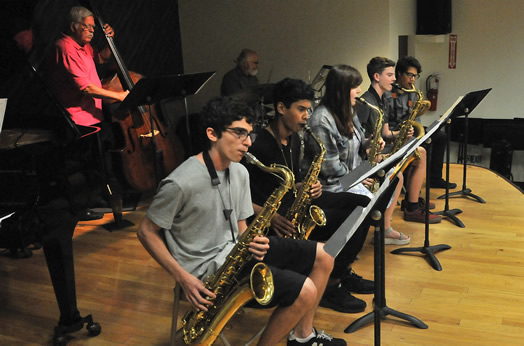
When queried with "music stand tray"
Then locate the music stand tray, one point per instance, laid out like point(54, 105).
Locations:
point(468, 103)
point(149, 90)
point(318, 81)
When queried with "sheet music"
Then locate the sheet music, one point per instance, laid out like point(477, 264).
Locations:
point(360, 173)
point(3, 106)
point(438, 123)
point(341, 236)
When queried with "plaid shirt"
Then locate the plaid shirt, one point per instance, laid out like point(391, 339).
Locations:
point(342, 153)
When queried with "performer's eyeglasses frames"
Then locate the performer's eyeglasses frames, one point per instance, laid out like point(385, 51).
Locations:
point(88, 26)
point(412, 76)
point(241, 133)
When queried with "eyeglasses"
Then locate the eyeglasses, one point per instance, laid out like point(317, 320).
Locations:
point(88, 26)
point(412, 76)
point(241, 133)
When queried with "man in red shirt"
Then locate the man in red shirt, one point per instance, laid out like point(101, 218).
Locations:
point(75, 82)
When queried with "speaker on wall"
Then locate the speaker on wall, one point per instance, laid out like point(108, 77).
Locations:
point(433, 17)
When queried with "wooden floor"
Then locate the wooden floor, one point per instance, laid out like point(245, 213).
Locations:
point(477, 299)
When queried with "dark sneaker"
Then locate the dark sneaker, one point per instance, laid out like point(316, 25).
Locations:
point(339, 299)
point(419, 215)
point(421, 204)
point(89, 215)
point(321, 338)
point(441, 184)
point(356, 284)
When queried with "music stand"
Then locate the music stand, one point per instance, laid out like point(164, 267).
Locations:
point(467, 105)
point(428, 250)
point(149, 90)
point(449, 213)
point(376, 206)
point(320, 78)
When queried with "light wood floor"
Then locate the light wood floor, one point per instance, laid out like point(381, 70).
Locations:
point(477, 299)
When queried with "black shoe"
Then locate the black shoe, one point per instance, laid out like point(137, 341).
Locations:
point(421, 204)
point(320, 338)
point(441, 184)
point(339, 299)
point(89, 215)
point(356, 284)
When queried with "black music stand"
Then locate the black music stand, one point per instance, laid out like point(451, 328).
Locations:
point(149, 90)
point(467, 105)
point(380, 309)
point(449, 213)
point(427, 250)
point(376, 206)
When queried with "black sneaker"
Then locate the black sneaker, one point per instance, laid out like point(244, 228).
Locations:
point(339, 299)
point(89, 215)
point(441, 184)
point(320, 339)
point(421, 204)
point(356, 284)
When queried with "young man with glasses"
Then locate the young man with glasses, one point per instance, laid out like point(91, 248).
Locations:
point(381, 73)
point(189, 233)
point(281, 143)
point(407, 71)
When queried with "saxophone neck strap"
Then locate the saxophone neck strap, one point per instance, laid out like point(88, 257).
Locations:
point(211, 168)
point(215, 181)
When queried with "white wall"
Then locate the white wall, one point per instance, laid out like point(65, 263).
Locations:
point(490, 52)
point(293, 38)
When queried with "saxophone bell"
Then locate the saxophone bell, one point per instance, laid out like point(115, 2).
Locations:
point(261, 282)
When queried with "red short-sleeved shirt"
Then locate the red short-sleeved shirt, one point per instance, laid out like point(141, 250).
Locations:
point(72, 69)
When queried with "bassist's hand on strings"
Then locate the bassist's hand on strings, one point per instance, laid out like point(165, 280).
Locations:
point(108, 30)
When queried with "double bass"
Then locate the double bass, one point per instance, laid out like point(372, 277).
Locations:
point(151, 150)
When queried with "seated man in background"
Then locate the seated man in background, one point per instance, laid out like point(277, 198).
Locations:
point(244, 75)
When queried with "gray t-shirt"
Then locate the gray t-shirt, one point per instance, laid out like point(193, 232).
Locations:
point(190, 209)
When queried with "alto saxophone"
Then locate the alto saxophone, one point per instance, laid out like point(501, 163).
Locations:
point(420, 107)
point(374, 146)
point(302, 214)
point(231, 287)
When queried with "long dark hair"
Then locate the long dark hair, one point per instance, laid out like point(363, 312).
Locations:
point(339, 82)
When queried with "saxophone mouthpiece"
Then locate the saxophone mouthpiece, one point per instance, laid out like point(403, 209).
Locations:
point(251, 158)
point(360, 99)
point(396, 86)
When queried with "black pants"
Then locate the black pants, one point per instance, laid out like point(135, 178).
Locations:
point(337, 207)
point(438, 140)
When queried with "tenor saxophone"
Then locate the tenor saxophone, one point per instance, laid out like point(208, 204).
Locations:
point(302, 214)
point(374, 146)
point(232, 288)
point(420, 107)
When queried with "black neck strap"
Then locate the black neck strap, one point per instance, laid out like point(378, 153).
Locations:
point(211, 168)
point(216, 181)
